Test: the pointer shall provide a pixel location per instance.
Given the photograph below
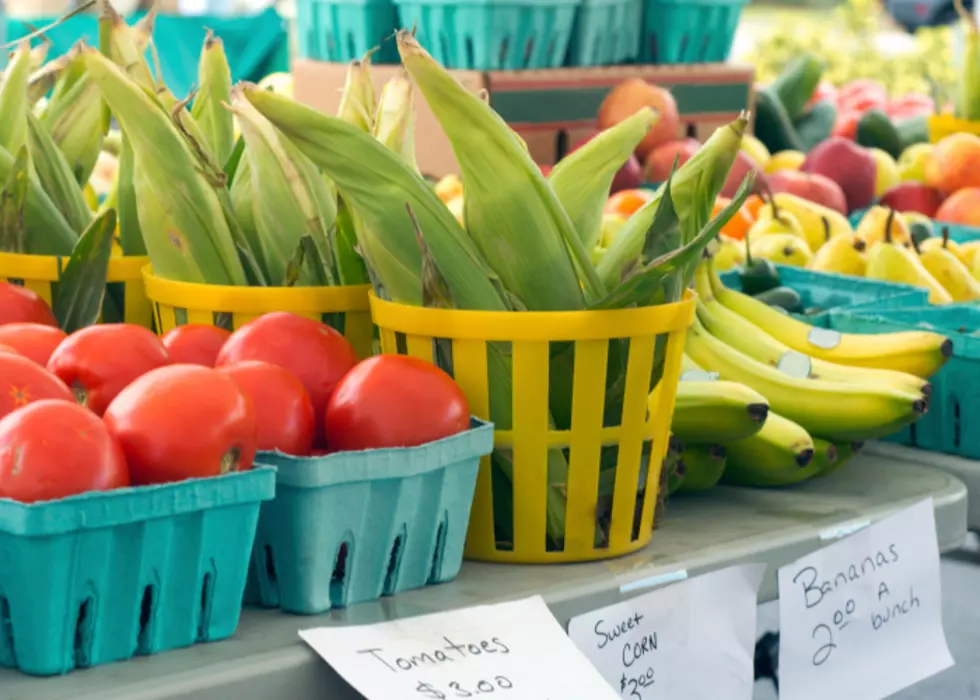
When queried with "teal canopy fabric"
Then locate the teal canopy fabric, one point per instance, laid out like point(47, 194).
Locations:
point(256, 45)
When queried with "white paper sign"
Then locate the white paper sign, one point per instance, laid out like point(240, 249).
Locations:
point(659, 646)
point(512, 651)
point(862, 618)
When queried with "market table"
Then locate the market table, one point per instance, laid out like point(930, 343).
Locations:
point(727, 526)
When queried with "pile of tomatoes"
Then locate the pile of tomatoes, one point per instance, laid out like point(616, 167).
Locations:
point(113, 405)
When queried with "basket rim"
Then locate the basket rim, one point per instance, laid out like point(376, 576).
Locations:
point(232, 299)
point(542, 326)
point(47, 268)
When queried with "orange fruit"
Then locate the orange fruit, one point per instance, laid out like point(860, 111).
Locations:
point(625, 202)
point(752, 206)
point(739, 224)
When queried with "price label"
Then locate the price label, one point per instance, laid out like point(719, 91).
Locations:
point(862, 618)
point(658, 646)
point(510, 651)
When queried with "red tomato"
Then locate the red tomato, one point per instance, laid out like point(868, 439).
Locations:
point(394, 401)
point(283, 409)
point(195, 344)
point(35, 341)
point(315, 353)
point(100, 361)
point(846, 125)
point(824, 91)
point(861, 86)
point(55, 449)
point(21, 305)
point(23, 381)
point(183, 422)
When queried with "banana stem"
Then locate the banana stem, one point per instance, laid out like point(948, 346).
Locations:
point(888, 225)
point(748, 253)
point(945, 237)
point(826, 228)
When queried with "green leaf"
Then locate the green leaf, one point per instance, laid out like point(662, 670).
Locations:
point(231, 167)
point(13, 234)
point(81, 289)
point(313, 263)
point(351, 268)
point(293, 266)
point(130, 233)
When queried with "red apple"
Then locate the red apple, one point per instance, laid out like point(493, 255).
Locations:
point(811, 186)
point(852, 167)
point(743, 165)
point(628, 177)
point(661, 159)
point(545, 169)
point(913, 196)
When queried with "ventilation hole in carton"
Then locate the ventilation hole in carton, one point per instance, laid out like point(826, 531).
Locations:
point(561, 144)
point(352, 46)
point(470, 53)
point(207, 595)
point(957, 424)
point(83, 633)
point(692, 130)
point(270, 565)
point(338, 579)
point(504, 48)
point(7, 631)
point(394, 563)
point(145, 637)
point(438, 552)
point(913, 436)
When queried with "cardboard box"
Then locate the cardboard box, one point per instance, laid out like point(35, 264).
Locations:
point(551, 109)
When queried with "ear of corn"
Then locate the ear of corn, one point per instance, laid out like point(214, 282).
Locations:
point(73, 117)
point(290, 199)
point(394, 124)
point(13, 100)
point(56, 176)
point(13, 198)
point(357, 102)
point(582, 179)
point(182, 219)
point(506, 196)
point(82, 288)
point(45, 230)
point(700, 177)
point(209, 110)
point(43, 80)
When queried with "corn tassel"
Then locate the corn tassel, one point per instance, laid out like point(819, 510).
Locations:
point(45, 229)
point(13, 100)
point(506, 196)
point(209, 111)
point(702, 176)
point(73, 117)
point(582, 179)
point(290, 198)
point(56, 176)
point(181, 216)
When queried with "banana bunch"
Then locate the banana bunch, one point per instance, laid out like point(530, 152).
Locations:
point(764, 402)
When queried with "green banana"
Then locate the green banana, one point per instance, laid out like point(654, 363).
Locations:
point(704, 466)
point(717, 411)
point(845, 450)
point(831, 409)
point(916, 352)
point(749, 339)
point(780, 454)
point(676, 470)
point(824, 455)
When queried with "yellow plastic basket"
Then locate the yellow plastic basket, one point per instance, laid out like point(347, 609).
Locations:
point(39, 272)
point(943, 125)
point(532, 339)
point(179, 303)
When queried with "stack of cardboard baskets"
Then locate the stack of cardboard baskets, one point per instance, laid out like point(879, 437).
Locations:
point(105, 577)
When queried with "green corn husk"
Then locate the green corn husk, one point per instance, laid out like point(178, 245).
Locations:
point(699, 179)
point(182, 219)
point(13, 199)
point(43, 80)
point(82, 287)
point(394, 124)
point(45, 230)
point(126, 46)
point(56, 176)
point(582, 179)
point(209, 110)
point(73, 117)
point(357, 102)
point(967, 103)
point(290, 198)
point(130, 236)
point(14, 104)
point(506, 196)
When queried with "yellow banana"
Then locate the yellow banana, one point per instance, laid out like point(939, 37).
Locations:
point(917, 352)
point(810, 215)
point(831, 409)
point(842, 453)
point(747, 338)
point(778, 455)
point(716, 411)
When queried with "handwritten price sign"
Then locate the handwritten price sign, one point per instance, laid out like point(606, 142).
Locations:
point(514, 651)
point(658, 645)
point(862, 618)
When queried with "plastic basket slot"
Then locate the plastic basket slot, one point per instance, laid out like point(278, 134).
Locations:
point(84, 632)
point(269, 567)
point(957, 423)
point(8, 655)
point(395, 562)
point(438, 551)
point(144, 637)
point(340, 577)
point(207, 601)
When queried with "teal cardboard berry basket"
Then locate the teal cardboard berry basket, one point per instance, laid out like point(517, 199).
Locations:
point(492, 34)
point(688, 31)
point(827, 292)
point(107, 576)
point(354, 526)
point(952, 423)
point(344, 30)
point(606, 33)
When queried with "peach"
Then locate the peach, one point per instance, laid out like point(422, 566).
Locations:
point(661, 158)
point(961, 207)
point(628, 98)
point(955, 163)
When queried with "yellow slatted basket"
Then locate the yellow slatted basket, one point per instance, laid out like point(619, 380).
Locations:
point(179, 303)
point(943, 125)
point(39, 272)
point(531, 336)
